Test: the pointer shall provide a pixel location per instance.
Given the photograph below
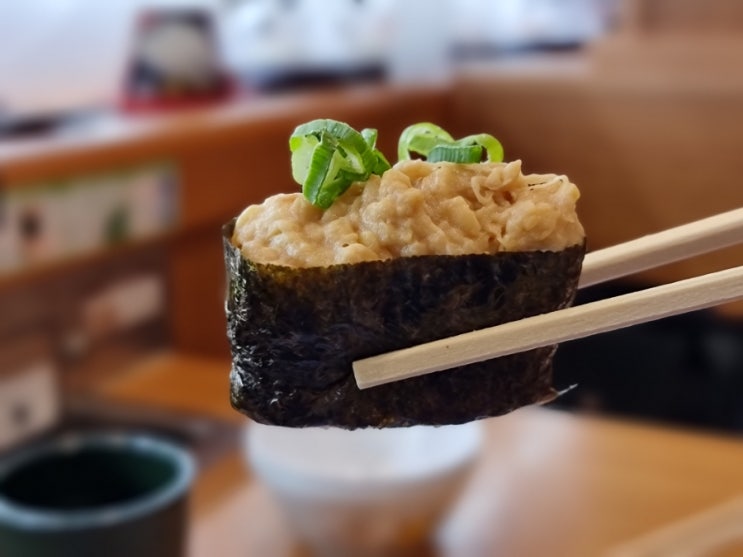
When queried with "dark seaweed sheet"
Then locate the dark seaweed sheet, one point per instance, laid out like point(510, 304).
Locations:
point(294, 333)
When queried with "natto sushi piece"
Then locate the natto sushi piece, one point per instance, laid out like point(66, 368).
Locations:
point(400, 255)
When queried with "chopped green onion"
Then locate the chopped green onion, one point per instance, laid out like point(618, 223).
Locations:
point(317, 174)
point(302, 149)
point(492, 146)
point(381, 164)
point(370, 136)
point(437, 145)
point(463, 154)
point(343, 135)
point(421, 138)
point(328, 156)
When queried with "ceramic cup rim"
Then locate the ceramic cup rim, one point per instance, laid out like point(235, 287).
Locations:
point(19, 516)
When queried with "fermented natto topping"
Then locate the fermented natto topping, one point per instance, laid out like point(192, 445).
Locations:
point(416, 208)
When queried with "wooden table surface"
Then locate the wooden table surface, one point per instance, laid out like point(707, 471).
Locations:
point(547, 483)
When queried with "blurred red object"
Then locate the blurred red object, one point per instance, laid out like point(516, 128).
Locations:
point(175, 62)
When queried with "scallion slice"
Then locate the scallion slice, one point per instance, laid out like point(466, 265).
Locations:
point(328, 156)
point(436, 145)
point(421, 139)
point(381, 164)
point(492, 146)
point(463, 154)
point(370, 136)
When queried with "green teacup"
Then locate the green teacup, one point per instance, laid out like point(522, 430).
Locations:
point(95, 495)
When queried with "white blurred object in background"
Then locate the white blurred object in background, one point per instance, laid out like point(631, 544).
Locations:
point(368, 491)
point(266, 38)
point(61, 55)
point(420, 42)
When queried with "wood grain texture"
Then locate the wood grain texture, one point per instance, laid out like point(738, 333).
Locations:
point(655, 250)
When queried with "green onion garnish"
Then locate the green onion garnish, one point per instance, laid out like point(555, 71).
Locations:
point(463, 154)
point(421, 139)
point(328, 156)
point(437, 145)
point(493, 148)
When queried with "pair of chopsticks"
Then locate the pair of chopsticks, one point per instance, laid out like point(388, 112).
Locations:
point(671, 245)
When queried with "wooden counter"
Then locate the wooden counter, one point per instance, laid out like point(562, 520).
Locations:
point(548, 483)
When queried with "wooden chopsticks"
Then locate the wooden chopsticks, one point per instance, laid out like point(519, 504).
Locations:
point(674, 244)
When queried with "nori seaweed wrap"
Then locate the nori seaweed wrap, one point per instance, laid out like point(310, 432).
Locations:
point(294, 333)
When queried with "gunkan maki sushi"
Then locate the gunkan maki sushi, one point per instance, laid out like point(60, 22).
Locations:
point(371, 258)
